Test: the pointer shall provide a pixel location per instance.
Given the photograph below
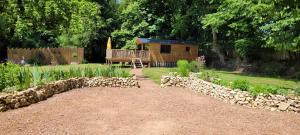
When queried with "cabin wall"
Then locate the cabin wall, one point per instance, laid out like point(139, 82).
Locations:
point(178, 52)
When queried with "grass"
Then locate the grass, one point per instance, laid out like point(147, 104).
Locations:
point(255, 80)
point(156, 73)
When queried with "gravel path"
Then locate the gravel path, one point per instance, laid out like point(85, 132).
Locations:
point(150, 110)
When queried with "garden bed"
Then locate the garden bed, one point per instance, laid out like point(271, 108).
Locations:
point(266, 101)
point(40, 93)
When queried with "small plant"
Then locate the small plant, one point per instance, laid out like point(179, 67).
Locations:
point(195, 66)
point(88, 72)
point(24, 79)
point(37, 77)
point(241, 84)
point(221, 82)
point(183, 67)
point(209, 76)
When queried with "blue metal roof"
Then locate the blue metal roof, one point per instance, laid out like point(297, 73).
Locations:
point(149, 40)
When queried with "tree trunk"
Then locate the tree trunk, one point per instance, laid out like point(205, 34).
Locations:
point(216, 48)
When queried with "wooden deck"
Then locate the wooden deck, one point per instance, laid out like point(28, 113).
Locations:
point(119, 55)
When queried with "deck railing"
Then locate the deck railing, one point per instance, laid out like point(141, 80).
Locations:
point(127, 54)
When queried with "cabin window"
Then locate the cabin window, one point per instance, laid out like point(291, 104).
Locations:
point(165, 49)
point(187, 49)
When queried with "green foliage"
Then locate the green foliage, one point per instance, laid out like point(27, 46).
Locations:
point(196, 66)
point(24, 79)
point(20, 78)
point(37, 77)
point(209, 76)
point(10, 74)
point(241, 84)
point(297, 90)
point(268, 89)
point(51, 23)
point(112, 71)
point(183, 67)
point(272, 24)
point(221, 82)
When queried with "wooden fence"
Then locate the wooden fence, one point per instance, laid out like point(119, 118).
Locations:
point(46, 56)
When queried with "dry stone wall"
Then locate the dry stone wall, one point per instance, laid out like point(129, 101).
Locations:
point(244, 98)
point(37, 94)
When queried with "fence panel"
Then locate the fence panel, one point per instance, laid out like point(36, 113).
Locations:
point(47, 56)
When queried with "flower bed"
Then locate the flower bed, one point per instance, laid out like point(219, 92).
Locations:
point(244, 98)
point(37, 94)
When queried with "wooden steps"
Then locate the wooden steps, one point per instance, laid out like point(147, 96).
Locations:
point(137, 63)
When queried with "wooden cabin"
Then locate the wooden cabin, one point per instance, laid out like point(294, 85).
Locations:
point(155, 52)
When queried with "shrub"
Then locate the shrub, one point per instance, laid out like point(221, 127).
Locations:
point(241, 84)
point(209, 76)
point(8, 75)
point(183, 67)
point(264, 89)
point(195, 66)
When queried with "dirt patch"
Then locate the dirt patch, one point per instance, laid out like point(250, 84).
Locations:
point(148, 110)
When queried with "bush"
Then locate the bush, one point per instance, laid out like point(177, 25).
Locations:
point(9, 75)
point(209, 76)
point(183, 67)
point(195, 66)
point(241, 84)
point(264, 89)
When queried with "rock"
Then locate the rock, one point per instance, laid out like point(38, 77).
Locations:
point(2, 108)
point(283, 106)
point(17, 105)
point(244, 98)
point(273, 109)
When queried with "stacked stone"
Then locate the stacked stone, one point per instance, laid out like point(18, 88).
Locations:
point(36, 94)
point(244, 98)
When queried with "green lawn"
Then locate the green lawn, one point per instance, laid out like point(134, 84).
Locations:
point(257, 80)
point(156, 73)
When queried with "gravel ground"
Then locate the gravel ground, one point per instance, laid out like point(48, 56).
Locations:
point(147, 111)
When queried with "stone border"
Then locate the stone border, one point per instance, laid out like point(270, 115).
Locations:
point(244, 98)
point(37, 94)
